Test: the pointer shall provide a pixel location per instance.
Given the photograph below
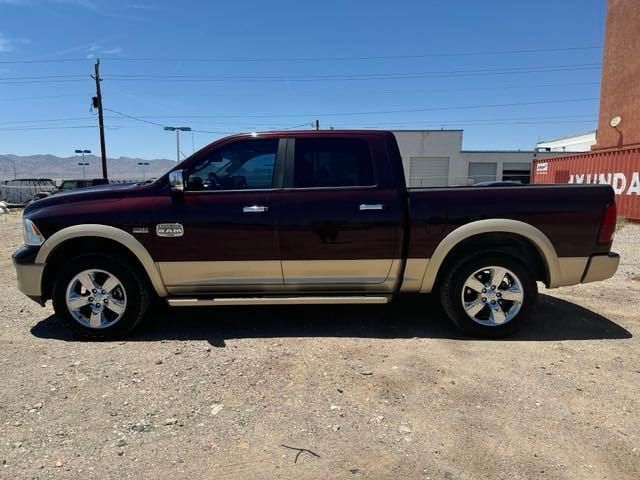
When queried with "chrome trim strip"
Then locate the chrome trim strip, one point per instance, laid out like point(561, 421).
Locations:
point(367, 207)
point(210, 302)
point(255, 209)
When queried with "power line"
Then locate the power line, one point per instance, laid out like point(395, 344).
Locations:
point(46, 120)
point(41, 97)
point(270, 126)
point(46, 128)
point(311, 77)
point(587, 117)
point(41, 77)
point(387, 126)
point(308, 124)
point(48, 60)
point(134, 118)
point(254, 92)
point(21, 82)
point(154, 123)
point(374, 112)
point(351, 77)
point(315, 59)
point(433, 125)
point(351, 58)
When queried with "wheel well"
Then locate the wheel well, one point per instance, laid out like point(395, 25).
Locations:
point(85, 245)
point(515, 245)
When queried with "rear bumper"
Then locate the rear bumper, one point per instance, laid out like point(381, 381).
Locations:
point(601, 267)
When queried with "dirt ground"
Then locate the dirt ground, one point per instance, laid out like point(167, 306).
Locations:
point(370, 391)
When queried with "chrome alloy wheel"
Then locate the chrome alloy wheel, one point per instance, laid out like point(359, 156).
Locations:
point(96, 298)
point(492, 296)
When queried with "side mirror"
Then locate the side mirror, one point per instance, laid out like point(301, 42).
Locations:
point(176, 181)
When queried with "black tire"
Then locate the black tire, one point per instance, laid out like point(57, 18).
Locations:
point(136, 287)
point(451, 291)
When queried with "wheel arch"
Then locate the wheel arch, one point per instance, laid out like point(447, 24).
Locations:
point(476, 230)
point(78, 236)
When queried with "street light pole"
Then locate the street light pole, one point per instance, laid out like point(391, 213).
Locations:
point(178, 130)
point(143, 164)
point(83, 163)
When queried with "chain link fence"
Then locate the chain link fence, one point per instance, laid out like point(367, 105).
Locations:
point(23, 191)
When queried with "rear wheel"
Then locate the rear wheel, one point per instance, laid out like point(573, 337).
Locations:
point(489, 296)
point(100, 296)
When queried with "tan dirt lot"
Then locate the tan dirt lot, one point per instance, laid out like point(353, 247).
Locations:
point(375, 391)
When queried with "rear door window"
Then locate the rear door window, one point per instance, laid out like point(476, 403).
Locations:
point(332, 162)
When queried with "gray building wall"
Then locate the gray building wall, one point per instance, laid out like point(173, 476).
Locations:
point(421, 147)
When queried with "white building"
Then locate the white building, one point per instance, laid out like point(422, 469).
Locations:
point(575, 143)
point(434, 158)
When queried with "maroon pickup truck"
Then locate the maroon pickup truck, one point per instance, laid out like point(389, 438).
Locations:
point(309, 217)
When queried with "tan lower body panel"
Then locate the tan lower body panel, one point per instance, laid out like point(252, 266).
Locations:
point(414, 274)
point(260, 272)
point(211, 302)
point(601, 267)
point(333, 272)
point(185, 278)
point(30, 279)
point(571, 270)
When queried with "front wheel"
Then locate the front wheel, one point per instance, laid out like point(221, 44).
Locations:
point(489, 296)
point(100, 296)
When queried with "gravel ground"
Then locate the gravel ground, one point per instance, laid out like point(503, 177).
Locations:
point(370, 391)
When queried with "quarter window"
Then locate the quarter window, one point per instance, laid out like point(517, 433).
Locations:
point(332, 162)
point(241, 165)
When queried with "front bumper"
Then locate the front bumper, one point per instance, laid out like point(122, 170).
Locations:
point(601, 267)
point(29, 273)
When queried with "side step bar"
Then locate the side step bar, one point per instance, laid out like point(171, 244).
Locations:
point(212, 302)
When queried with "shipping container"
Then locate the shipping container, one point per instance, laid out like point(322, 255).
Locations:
point(618, 168)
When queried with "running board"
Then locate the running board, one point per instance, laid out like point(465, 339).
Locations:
point(211, 302)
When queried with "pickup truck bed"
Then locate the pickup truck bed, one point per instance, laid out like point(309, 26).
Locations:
point(309, 217)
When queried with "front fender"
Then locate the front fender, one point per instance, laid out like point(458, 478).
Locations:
point(111, 233)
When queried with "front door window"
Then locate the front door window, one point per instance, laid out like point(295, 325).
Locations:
point(244, 165)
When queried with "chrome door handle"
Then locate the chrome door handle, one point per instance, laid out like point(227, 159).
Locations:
point(255, 209)
point(369, 206)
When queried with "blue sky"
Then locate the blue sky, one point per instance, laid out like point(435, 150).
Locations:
point(508, 72)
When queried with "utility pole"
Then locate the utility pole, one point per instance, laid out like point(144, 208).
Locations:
point(317, 124)
point(97, 103)
point(178, 130)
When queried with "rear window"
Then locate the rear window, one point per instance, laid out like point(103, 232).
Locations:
point(332, 162)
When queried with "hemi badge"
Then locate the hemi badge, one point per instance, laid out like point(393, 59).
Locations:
point(140, 230)
point(169, 230)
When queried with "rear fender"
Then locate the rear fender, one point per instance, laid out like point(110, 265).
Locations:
point(542, 244)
